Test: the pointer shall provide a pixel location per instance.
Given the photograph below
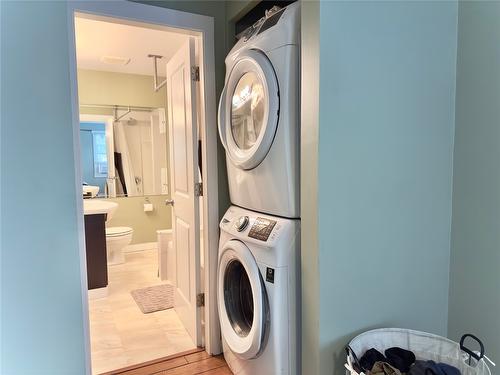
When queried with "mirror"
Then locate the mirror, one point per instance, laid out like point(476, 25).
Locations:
point(124, 155)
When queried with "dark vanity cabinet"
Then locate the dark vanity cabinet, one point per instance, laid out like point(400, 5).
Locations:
point(95, 242)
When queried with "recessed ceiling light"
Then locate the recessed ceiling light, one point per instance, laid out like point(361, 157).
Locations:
point(115, 60)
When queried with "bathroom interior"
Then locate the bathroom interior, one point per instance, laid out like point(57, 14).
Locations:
point(125, 161)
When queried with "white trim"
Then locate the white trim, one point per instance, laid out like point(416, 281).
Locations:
point(191, 24)
point(140, 247)
point(75, 110)
point(209, 136)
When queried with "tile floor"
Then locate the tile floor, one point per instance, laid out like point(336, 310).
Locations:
point(121, 335)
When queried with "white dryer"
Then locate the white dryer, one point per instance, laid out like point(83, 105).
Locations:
point(259, 115)
point(258, 293)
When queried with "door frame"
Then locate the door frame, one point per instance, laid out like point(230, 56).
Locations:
point(194, 25)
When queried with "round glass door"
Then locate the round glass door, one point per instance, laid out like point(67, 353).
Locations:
point(248, 110)
point(238, 298)
point(248, 107)
point(242, 301)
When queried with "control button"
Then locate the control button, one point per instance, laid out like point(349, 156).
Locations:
point(242, 223)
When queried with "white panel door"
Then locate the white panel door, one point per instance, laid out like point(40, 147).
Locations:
point(183, 137)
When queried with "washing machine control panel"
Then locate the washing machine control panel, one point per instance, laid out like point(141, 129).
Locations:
point(261, 229)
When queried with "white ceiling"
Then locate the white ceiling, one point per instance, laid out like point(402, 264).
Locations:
point(95, 39)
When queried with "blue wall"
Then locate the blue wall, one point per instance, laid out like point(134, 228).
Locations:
point(87, 155)
point(475, 252)
point(386, 128)
point(41, 301)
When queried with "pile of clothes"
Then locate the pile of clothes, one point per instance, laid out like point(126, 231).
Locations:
point(398, 361)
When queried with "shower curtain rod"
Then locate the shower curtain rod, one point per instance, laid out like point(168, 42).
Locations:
point(120, 107)
point(117, 108)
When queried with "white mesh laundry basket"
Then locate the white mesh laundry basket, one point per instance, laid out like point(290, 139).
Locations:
point(424, 345)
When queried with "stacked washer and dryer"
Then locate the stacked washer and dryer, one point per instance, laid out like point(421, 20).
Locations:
point(259, 250)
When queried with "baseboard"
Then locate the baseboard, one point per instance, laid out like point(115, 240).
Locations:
point(141, 247)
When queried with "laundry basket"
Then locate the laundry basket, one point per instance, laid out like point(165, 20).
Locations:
point(425, 346)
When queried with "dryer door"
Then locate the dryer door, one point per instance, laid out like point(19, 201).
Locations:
point(249, 109)
point(242, 301)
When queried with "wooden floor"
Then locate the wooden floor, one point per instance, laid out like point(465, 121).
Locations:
point(193, 362)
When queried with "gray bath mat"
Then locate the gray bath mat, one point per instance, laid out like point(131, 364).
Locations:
point(154, 298)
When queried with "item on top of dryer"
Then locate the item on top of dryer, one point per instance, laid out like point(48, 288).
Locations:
point(258, 293)
point(258, 115)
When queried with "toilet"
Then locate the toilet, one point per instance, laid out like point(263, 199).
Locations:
point(116, 239)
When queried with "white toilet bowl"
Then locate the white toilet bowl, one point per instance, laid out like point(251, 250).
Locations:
point(116, 239)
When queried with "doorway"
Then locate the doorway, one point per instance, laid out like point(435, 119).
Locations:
point(185, 185)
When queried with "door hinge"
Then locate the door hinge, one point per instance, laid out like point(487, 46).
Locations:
point(198, 189)
point(200, 300)
point(195, 73)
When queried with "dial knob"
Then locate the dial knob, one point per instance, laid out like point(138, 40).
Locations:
point(242, 223)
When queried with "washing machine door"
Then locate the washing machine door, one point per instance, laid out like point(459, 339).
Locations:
point(249, 109)
point(242, 301)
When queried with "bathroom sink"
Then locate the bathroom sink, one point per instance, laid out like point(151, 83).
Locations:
point(99, 206)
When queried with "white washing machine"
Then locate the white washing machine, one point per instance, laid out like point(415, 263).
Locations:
point(259, 115)
point(258, 293)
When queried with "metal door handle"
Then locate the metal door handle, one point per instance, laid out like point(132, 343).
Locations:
point(169, 202)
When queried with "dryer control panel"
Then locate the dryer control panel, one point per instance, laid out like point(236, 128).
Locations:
point(261, 228)
point(252, 227)
point(273, 241)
